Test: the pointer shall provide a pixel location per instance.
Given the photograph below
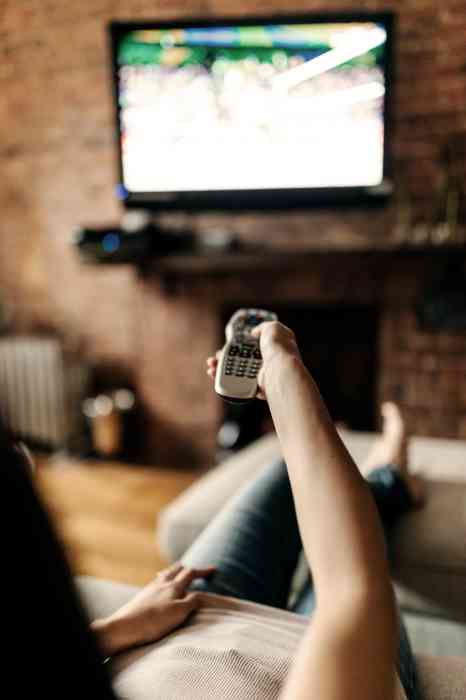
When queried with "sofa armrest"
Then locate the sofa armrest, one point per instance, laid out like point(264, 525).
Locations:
point(101, 597)
point(183, 519)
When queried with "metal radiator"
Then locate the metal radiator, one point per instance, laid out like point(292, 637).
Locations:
point(41, 390)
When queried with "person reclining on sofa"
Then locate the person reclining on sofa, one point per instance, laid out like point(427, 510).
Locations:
point(236, 576)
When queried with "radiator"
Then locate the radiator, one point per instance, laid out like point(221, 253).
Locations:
point(41, 390)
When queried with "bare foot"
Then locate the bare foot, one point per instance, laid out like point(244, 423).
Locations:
point(391, 448)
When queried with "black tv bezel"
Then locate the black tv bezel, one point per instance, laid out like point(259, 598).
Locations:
point(269, 199)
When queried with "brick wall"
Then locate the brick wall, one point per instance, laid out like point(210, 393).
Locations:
point(57, 158)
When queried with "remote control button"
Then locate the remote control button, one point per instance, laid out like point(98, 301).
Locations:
point(228, 372)
point(257, 353)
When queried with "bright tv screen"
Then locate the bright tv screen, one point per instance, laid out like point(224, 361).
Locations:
point(264, 112)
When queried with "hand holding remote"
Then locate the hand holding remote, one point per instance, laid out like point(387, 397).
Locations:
point(273, 339)
point(276, 339)
point(239, 362)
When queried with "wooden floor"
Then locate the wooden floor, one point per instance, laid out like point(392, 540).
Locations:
point(106, 514)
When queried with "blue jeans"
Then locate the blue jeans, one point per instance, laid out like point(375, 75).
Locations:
point(255, 543)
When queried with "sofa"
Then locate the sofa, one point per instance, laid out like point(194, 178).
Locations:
point(427, 547)
point(427, 550)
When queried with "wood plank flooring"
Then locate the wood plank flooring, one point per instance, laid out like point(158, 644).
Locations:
point(106, 514)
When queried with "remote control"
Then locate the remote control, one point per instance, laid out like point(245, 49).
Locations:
point(241, 360)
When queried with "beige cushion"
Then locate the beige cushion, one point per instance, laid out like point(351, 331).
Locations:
point(442, 678)
point(429, 548)
point(435, 458)
point(431, 593)
point(435, 636)
point(429, 545)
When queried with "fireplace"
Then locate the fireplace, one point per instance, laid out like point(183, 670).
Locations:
point(356, 316)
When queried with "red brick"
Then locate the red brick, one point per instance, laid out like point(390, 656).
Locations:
point(57, 156)
point(462, 428)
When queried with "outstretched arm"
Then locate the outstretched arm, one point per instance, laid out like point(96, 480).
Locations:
point(350, 647)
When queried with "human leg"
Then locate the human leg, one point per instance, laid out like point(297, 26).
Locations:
point(254, 542)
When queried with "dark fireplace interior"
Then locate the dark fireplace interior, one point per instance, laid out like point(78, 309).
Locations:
point(339, 346)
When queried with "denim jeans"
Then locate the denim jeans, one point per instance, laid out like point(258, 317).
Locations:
point(255, 543)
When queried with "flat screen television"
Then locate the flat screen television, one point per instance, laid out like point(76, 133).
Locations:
point(258, 113)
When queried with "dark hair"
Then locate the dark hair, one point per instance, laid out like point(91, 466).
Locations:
point(5, 437)
point(49, 644)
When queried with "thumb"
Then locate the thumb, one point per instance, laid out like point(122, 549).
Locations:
point(192, 601)
point(257, 330)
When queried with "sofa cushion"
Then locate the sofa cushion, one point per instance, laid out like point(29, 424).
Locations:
point(442, 678)
point(428, 546)
point(435, 636)
point(429, 552)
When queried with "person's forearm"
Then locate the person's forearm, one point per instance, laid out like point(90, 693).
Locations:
point(114, 634)
point(339, 526)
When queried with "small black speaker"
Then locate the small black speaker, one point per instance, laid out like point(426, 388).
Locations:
point(113, 244)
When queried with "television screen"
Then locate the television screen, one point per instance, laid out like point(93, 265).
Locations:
point(224, 113)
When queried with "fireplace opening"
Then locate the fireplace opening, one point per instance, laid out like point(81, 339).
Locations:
point(339, 346)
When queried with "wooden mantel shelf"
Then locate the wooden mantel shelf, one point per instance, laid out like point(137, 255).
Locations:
point(271, 258)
